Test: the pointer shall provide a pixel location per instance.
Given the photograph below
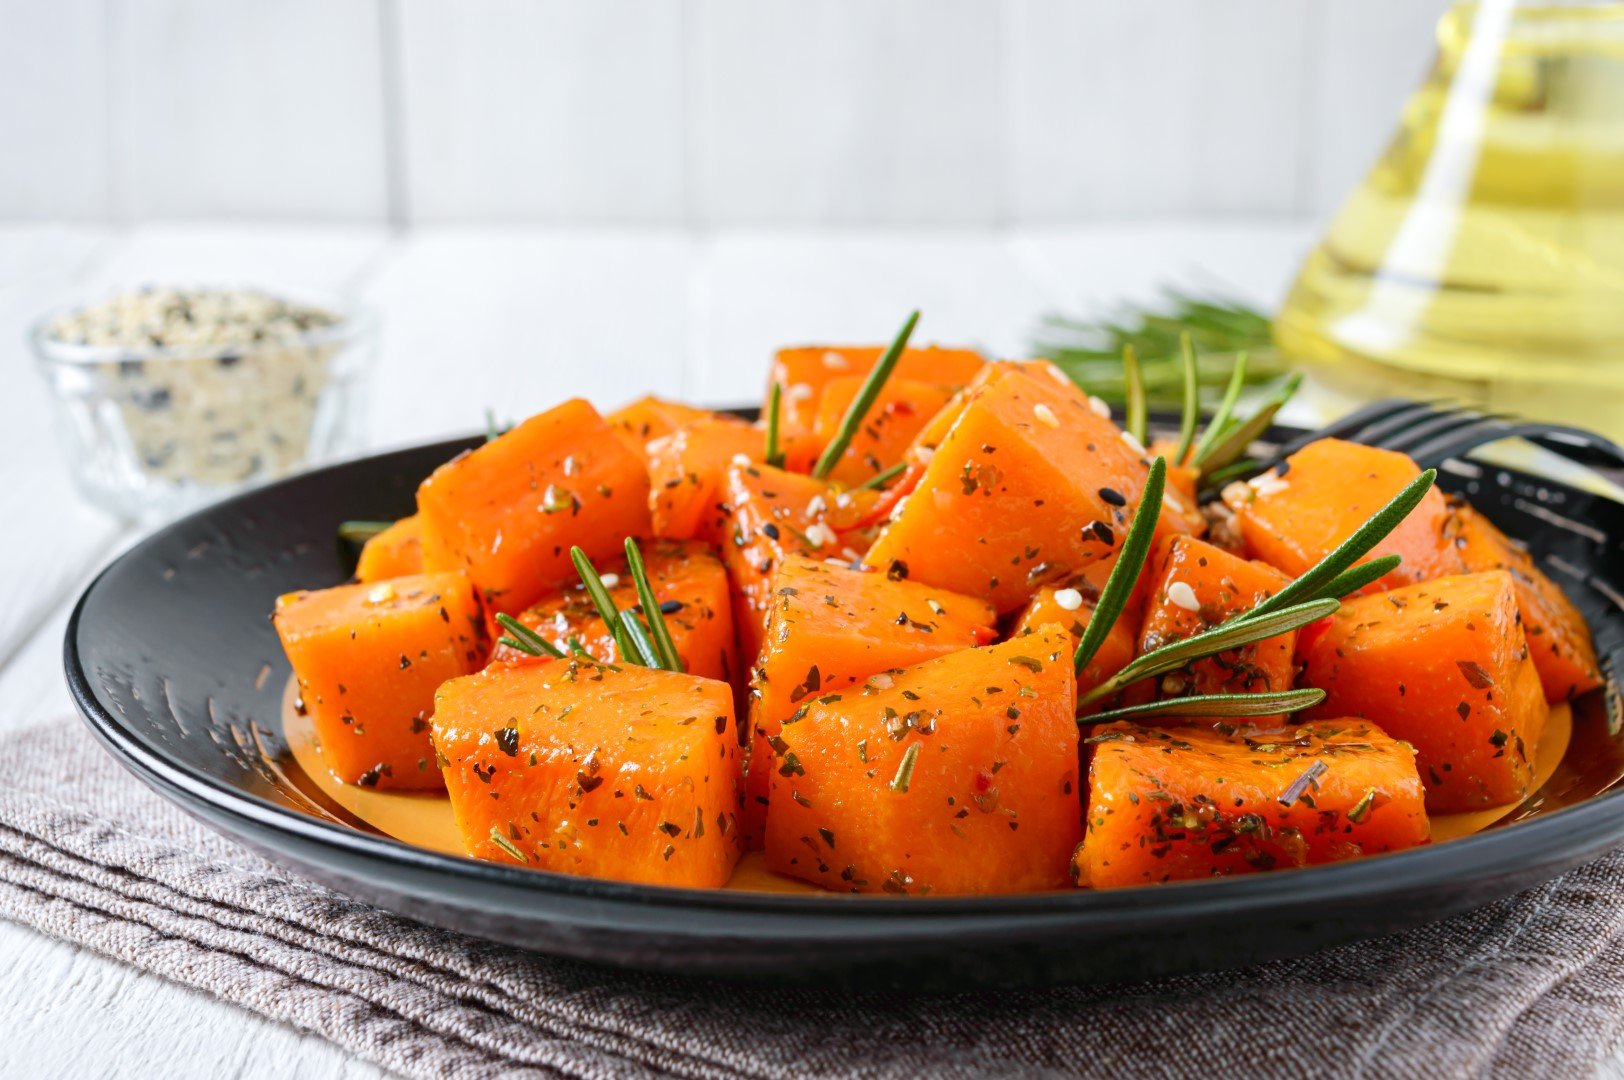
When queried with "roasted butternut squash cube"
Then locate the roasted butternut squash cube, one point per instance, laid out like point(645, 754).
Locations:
point(368, 659)
point(1444, 666)
point(509, 511)
point(960, 776)
point(1028, 487)
point(649, 419)
point(775, 514)
point(1197, 802)
point(688, 476)
point(830, 627)
point(1558, 638)
point(1292, 517)
point(689, 581)
point(395, 552)
point(626, 772)
point(1070, 607)
point(902, 408)
point(804, 372)
point(1195, 587)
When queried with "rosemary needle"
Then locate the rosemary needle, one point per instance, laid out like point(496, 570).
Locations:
point(864, 400)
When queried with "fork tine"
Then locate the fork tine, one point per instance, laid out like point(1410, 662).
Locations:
point(1340, 429)
point(1379, 433)
point(1442, 424)
point(1570, 442)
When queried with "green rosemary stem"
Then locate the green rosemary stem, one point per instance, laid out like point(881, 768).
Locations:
point(864, 401)
point(1130, 561)
point(665, 648)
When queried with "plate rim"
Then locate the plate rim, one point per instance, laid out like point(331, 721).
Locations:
point(1581, 830)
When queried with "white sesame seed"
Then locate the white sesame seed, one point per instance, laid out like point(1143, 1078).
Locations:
point(1133, 444)
point(835, 362)
point(820, 534)
point(924, 454)
point(882, 681)
point(1099, 406)
point(1045, 414)
point(1181, 594)
point(381, 594)
point(742, 460)
point(1056, 374)
point(816, 506)
point(610, 580)
point(656, 447)
point(1068, 599)
point(798, 392)
point(1171, 498)
point(1236, 494)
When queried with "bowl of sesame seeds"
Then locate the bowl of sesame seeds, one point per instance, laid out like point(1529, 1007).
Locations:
point(170, 396)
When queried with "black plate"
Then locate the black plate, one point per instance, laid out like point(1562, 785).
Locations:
point(174, 665)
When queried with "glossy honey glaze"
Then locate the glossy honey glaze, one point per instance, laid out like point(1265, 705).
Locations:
point(425, 819)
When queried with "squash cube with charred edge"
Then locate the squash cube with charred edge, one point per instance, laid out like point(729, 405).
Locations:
point(1195, 587)
point(509, 511)
point(395, 552)
point(627, 773)
point(691, 585)
point(368, 659)
point(1029, 486)
point(649, 419)
point(1200, 802)
point(1558, 639)
point(1444, 666)
point(776, 514)
point(688, 476)
point(830, 627)
point(1293, 517)
point(961, 776)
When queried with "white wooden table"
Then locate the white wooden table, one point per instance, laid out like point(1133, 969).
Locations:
point(507, 318)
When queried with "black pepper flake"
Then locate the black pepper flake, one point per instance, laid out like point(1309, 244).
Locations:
point(507, 739)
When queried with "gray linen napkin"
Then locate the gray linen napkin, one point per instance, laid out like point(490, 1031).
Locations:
point(1531, 986)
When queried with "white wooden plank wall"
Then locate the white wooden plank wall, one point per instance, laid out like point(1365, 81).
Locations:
point(965, 113)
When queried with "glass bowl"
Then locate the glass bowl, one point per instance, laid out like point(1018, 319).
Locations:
point(151, 431)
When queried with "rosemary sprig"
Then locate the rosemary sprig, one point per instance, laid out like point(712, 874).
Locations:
point(1090, 351)
point(1226, 409)
point(521, 637)
point(1232, 444)
point(1230, 706)
point(1130, 560)
point(1190, 413)
point(775, 409)
point(1319, 579)
point(864, 400)
point(1137, 423)
point(644, 654)
point(880, 479)
point(665, 649)
point(359, 532)
point(494, 430)
point(606, 606)
point(1355, 578)
point(1241, 630)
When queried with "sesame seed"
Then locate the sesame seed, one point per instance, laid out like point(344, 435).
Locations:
point(1133, 444)
point(1099, 406)
point(1182, 595)
point(1045, 414)
point(1068, 599)
point(742, 460)
point(835, 362)
point(610, 580)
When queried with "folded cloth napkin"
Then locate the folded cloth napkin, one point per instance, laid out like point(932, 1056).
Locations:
point(1533, 986)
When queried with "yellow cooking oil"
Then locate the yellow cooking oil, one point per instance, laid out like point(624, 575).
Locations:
point(1482, 258)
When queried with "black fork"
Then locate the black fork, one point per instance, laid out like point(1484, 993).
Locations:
point(1432, 432)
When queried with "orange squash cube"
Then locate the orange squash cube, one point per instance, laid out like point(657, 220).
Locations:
point(830, 627)
point(902, 408)
point(1070, 607)
point(1292, 517)
point(689, 581)
point(688, 476)
point(395, 552)
point(1194, 587)
point(960, 776)
point(650, 418)
point(804, 372)
point(1029, 486)
point(509, 511)
point(368, 659)
point(1205, 802)
point(776, 514)
point(1558, 638)
point(1444, 666)
point(612, 772)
